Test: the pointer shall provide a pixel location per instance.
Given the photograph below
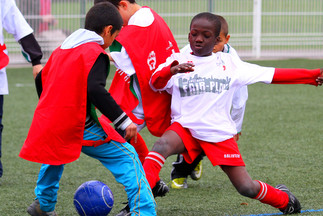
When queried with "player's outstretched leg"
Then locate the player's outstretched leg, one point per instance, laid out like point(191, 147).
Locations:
point(160, 189)
point(279, 197)
point(170, 143)
point(293, 205)
point(125, 211)
point(152, 166)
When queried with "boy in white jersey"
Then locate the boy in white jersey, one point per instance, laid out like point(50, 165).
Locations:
point(181, 169)
point(202, 85)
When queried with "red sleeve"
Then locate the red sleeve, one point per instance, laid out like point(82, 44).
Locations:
point(160, 78)
point(295, 76)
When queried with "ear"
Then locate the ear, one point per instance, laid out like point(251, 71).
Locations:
point(107, 30)
point(227, 38)
point(123, 4)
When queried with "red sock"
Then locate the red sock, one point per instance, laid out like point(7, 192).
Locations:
point(140, 147)
point(272, 196)
point(152, 166)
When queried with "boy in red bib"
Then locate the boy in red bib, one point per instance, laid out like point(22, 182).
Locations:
point(144, 42)
point(71, 86)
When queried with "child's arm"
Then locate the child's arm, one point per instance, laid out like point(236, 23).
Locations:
point(181, 68)
point(32, 52)
point(161, 76)
point(38, 83)
point(110, 57)
point(298, 76)
point(103, 101)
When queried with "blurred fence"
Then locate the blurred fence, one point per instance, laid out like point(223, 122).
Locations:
point(259, 29)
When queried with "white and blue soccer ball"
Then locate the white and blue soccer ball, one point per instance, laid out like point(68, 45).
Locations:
point(93, 198)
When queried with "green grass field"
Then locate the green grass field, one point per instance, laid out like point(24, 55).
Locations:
point(281, 142)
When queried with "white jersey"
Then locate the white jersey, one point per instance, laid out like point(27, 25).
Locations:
point(202, 99)
point(240, 96)
point(14, 23)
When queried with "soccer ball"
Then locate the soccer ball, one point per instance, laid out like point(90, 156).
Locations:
point(93, 198)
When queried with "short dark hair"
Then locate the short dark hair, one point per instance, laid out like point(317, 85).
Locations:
point(212, 18)
point(101, 15)
point(224, 25)
point(114, 2)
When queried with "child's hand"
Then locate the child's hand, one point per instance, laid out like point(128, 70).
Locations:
point(37, 69)
point(131, 131)
point(319, 80)
point(237, 136)
point(110, 57)
point(182, 68)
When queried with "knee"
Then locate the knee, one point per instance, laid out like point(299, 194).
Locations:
point(247, 190)
point(161, 146)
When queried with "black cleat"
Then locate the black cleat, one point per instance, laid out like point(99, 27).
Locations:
point(125, 211)
point(160, 189)
point(293, 206)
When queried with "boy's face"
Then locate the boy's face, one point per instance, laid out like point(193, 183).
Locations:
point(108, 37)
point(222, 41)
point(202, 37)
point(123, 9)
point(113, 36)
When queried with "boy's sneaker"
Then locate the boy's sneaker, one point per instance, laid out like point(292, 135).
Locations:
point(160, 189)
point(34, 210)
point(179, 183)
point(196, 174)
point(293, 205)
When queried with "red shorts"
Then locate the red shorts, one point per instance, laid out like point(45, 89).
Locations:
point(220, 153)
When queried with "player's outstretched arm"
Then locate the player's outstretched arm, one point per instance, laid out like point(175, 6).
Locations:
point(298, 76)
point(319, 80)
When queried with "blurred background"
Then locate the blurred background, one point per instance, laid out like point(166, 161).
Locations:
point(259, 29)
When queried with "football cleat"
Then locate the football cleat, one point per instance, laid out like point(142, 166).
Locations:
point(160, 189)
point(293, 205)
point(125, 211)
point(196, 174)
point(34, 210)
point(179, 183)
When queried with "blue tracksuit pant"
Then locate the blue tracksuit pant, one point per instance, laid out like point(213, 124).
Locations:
point(122, 161)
